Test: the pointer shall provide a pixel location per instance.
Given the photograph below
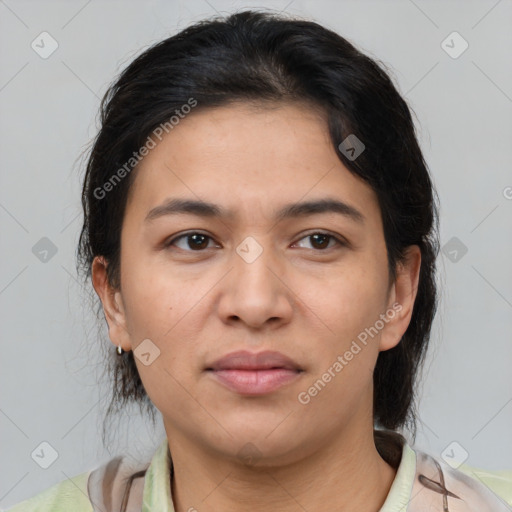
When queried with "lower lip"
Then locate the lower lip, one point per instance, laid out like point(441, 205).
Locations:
point(255, 382)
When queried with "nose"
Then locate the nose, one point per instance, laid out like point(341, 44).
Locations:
point(255, 292)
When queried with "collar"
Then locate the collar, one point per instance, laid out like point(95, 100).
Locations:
point(399, 494)
point(157, 489)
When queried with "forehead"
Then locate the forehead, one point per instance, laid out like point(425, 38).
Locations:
point(249, 158)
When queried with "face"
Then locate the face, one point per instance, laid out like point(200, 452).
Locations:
point(251, 274)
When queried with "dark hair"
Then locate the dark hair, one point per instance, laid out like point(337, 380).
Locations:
point(257, 57)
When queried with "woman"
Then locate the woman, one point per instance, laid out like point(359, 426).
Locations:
point(261, 229)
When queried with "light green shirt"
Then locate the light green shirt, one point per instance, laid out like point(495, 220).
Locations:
point(422, 484)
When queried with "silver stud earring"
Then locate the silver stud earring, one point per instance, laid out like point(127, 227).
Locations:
point(119, 350)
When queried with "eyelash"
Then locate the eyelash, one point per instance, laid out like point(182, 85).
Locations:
point(337, 240)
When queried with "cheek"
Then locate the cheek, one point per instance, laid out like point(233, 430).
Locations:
point(167, 312)
point(350, 299)
point(154, 301)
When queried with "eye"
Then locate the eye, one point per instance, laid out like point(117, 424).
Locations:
point(320, 240)
point(193, 240)
point(196, 242)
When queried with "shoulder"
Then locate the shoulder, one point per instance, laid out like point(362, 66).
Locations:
point(70, 494)
point(462, 484)
point(499, 482)
point(114, 485)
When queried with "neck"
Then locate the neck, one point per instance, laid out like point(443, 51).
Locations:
point(347, 473)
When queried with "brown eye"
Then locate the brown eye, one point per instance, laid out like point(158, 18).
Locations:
point(320, 241)
point(193, 241)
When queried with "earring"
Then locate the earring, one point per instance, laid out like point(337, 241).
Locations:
point(119, 350)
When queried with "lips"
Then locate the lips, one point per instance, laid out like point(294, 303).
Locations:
point(244, 360)
point(251, 374)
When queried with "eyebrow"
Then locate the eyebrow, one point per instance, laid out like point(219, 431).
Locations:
point(176, 206)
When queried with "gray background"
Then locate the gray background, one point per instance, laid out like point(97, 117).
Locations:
point(51, 364)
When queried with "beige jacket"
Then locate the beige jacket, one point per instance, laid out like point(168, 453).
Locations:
point(422, 484)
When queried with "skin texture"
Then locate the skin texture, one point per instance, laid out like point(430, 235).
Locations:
point(306, 299)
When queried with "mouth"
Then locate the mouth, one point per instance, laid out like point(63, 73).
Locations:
point(254, 374)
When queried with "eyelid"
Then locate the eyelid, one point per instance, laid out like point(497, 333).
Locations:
point(338, 239)
point(174, 238)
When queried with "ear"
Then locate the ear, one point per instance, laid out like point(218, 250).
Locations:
point(401, 298)
point(111, 300)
